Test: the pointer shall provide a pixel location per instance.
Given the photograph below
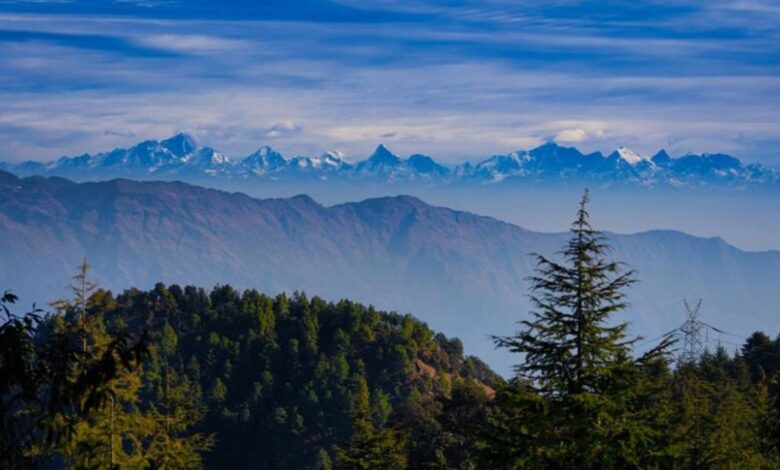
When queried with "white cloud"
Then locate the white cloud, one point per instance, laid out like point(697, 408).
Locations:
point(227, 78)
point(282, 129)
point(571, 136)
point(578, 135)
point(189, 43)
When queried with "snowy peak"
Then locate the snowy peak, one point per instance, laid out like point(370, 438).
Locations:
point(148, 156)
point(266, 152)
point(381, 162)
point(264, 159)
point(425, 168)
point(209, 157)
point(333, 159)
point(498, 167)
point(180, 144)
point(178, 156)
point(384, 156)
point(630, 157)
point(385, 165)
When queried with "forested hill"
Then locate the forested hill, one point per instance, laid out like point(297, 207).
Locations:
point(281, 379)
point(462, 273)
point(183, 378)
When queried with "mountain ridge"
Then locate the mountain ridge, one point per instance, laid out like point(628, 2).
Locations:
point(462, 272)
point(180, 157)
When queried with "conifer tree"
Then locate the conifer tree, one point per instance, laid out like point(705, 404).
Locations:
point(574, 398)
point(177, 408)
point(122, 431)
point(110, 435)
point(768, 408)
point(370, 449)
point(718, 425)
point(569, 347)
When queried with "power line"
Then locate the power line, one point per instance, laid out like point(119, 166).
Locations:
point(665, 335)
point(695, 334)
point(722, 332)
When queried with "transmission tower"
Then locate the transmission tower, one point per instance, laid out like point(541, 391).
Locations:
point(696, 334)
point(693, 344)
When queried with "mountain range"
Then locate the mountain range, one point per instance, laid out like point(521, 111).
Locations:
point(463, 273)
point(180, 158)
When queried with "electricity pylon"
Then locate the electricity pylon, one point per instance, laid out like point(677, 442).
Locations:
point(693, 345)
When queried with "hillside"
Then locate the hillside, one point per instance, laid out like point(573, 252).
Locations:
point(462, 273)
point(279, 377)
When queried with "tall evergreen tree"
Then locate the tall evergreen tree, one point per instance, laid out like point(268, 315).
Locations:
point(569, 346)
point(122, 431)
point(370, 449)
point(111, 435)
point(59, 374)
point(177, 408)
point(575, 391)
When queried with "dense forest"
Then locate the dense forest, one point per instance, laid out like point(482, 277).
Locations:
point(184, 378)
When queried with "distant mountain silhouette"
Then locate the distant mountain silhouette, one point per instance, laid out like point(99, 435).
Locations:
point(179, 158)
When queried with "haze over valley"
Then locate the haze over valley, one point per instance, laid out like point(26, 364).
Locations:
point(463, 273)
point(707, 195)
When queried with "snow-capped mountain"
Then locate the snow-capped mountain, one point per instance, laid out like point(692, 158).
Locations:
point(631, 157)
point(180, 144)
point(264, 161)
point(329, 163)
point(179, 157)
point(386, 166)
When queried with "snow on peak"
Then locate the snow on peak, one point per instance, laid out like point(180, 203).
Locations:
point(209, 156)
point(219, 158)
point(333, 155)
point(264, 151)
point(179, 155)
point(265, 156)
point(630, 157)
point(333, 158)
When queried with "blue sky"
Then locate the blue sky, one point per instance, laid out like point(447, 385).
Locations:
point(454, 79)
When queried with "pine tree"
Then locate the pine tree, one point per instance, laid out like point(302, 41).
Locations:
point(370, 449)
point(575, 395)
point(569, 347)
point(768, 408)
point(177, 408)
point(718, 425)
point(110, 435)
point(123, 431)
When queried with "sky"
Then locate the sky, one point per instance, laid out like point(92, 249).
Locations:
point(458, 80)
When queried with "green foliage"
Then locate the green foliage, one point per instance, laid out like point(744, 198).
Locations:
point(569, 346)
point(719, 421)
point(381, 450)
point(580, 400)
point(180, 378)
point(281, 380)
point(60, 374)
point(369, 448)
